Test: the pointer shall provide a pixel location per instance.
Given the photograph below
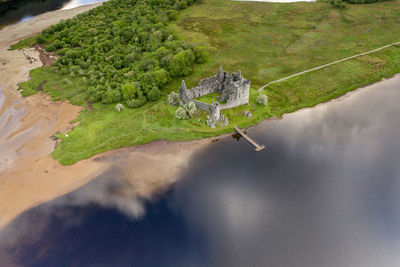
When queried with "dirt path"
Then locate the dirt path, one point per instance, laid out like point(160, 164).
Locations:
point(328, 64)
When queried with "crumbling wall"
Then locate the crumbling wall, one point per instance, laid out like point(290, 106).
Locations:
point(183, 93)
point(234, 90)
point(208, 85)
point(202, 105)
point(201, 90)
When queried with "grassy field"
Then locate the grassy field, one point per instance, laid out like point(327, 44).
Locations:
point(266, 42)
point(209, 98)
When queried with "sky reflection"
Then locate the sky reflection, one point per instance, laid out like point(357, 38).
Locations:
point(329, 186)
point(325, 193)
point(76, 3)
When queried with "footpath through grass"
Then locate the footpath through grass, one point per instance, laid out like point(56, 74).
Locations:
point(266, 41)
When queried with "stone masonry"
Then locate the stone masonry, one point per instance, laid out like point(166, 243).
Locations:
point(234, 90)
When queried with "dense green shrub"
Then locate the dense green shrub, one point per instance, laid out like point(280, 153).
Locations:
point(40, 39)
point(181, 114)
point(50, 48)
point(337, 4)
point(124, 49)
point(119, 107)
point(341, 3)
point(134, 103)
point(363, 1)
point(154, 94)
point(186, 111)
point(173, 98)
point(201, 53)
point(182, 62)
point(262, 99)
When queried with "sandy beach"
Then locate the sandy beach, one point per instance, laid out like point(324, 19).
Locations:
point(29, 175)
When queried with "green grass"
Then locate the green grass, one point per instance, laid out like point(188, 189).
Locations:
point(60, 87)
point(103, 128)
point(266, 42)
point(209, 97)
point(24, 43)
point(320, 86)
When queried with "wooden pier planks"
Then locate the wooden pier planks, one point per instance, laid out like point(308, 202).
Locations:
point(251, 141)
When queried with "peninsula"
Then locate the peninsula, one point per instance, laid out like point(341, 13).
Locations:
point(116, 63)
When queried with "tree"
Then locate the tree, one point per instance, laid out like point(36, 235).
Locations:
point(58, 44)
point(154, 94)
point(40, 39)
point(262, 99)
point(126, 44)
point(50, 48)
point(161, 77)
point(172, 14)
point(181, 113)
point(338, 4)
point(111, 96)
point(182, 62)
point(173, 98)
point(180, 4)
point(130, 91)
point(131, 58)
point(202, 54)
point(135, 103)
point(191, 106)
point(191, 109)
point(119, 107)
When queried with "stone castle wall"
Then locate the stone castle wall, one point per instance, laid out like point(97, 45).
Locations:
point(205, 87)
point(234, 90)
point(203, 106)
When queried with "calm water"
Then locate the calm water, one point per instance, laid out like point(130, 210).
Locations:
point(325, 193)
point(12, 11)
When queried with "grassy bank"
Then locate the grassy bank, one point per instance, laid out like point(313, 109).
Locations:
point(266, 42)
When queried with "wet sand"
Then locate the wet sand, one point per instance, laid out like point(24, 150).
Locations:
point(29, 175)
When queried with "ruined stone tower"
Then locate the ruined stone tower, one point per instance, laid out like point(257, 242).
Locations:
point(234, 90)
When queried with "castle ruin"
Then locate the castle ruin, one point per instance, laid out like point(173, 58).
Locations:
point(233, 88)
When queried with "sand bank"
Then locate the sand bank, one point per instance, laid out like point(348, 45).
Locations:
point(28, 174)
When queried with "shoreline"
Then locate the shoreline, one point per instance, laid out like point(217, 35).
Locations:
point(33, 177)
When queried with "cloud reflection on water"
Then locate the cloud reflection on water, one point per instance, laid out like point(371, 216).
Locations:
point(324, 180)
point(325, 193)
point(76, 3)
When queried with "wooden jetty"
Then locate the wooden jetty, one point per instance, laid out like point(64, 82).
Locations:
point(251, 141)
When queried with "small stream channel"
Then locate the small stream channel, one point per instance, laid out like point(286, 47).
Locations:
point(325, 193)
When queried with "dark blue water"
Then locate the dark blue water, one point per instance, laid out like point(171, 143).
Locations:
point(17, 11)
point(75, 231)
point(106, 237)
point(325, 193)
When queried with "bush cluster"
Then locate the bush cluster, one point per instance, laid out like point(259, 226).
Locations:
point(364, 1)
point(262, 99)
point(186, 111)
point(173, 98)
point(337, 4)
point(124, 49)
